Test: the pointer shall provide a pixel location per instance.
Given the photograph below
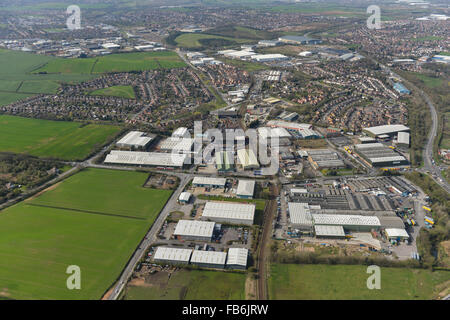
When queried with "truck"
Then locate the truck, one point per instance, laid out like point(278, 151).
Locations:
point(426, 208)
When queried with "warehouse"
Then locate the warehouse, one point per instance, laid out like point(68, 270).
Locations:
point(181, 132)
point(403, 139)
point(348, 222)
point(325, 158)
point(194, 230)
point(396, 234)
point(175, 256)
point(207, 182)
point(209, 259)
point(269, 57)
point(400, 88)
point(391, 130)
point(379, 155)
point(387, 222)
point(324, 231)
point(229, 212)
point(184, 197)
point(135, 140)
point(289, 125)
point(245, 189)
point(268, 133)
point(178, 145)
point(146, 158)
point(299, 40)
point(224, 161)
point(300, 216)
point(237, 258)
point(247, 159)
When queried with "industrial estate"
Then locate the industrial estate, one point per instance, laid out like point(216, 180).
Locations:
point(268, 150)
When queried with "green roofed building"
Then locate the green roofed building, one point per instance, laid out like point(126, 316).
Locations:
point(224, 161)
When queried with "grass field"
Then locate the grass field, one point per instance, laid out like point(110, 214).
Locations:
point(122, 62)
point(52, 139)
point(307, 282)
point(37, 243)
point(192, 285)
point(194, 40)
point(116, 91)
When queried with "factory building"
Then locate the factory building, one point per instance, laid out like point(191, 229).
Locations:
point(247, 159)
point(178, 145)
point(379, 155)
point(135, 140)
point(391, 130)
point(400, 88)
point(181, 132)
point(269, 57)
point(237, 258)
point(194, 230)
point(146, 159)
point(348, 222)
point(229, 212)
point(325, 158)
point(207, 182)
point(396, 234)
point(268, 133)
point(245, 189)
point(209, 259)
point(299, 40)
point(289, 125)
point(224, 161)
point(324, 231)
point(403, 139)
point(300, 216)
point(184, 197)
point(166, 255)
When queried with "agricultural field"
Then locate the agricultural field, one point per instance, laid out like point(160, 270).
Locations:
point(199, 40)
point(309, 282)
point(52, 139)
point(189, 285)
point(116, 91)
point(34, 267)
point(122, 62)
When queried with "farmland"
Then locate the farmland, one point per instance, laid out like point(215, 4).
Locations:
point(125, 62)
point(190, 285)
point(305, 282)
point(115, 91)
point(52, 139)
point(34, 267)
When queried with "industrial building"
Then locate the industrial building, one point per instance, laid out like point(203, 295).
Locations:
point(194, 230)
point(268, 133)
point(403, 139)
point(208, 182)
point(400, 88)
point(229, 212)
point(299, 40)
point(146, 158)
point(178, 145)
point(269, 57)
point(379, 155)
point(181, 132)
point(391, 130)
point(348, 222)
point(184, 197)
point(247, 159)
point(246, 189)
point(324, 231)
point(135, 140)
point(300, 216)
point(172, 255)
point(224, 161)
point(237, 258)
point(289, 125)
point(325, 158)
point(209, 259)
point(396, 234)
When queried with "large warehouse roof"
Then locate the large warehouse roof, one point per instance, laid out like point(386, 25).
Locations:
point(289, 125)
point(237, 256)
point(209, 257)
point(386, 129)
point(194, 228)
point(247, 158)
point(300, 214)
point(329, 231)
point(146, 158)
point(345, 220)
point(173, 254)
point(246, 188)
point(178, 144)
point(209, 181)
point(229, 210)
point(181, 132)
point(403, 138)
point(134, 139)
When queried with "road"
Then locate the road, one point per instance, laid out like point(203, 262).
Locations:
point(150, 237)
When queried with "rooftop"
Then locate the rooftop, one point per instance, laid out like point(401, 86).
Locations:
point(209, 257)
point(229, 210)
point(173, 254)
point(194, 228)
point(237, 256)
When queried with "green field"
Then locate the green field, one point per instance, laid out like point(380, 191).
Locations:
point(52, 139)
point(197, 40)
point(115, 91)
point(121, 62)
point(308, 282)
point(191, 285)
point(37, 243)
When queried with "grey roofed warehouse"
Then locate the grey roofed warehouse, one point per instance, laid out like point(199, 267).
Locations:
point(194, 230)
point(146, 158)
point(300, 215)
point(237, 258)
point(390, 130)
point(134, 139)
point(229, 212)
point(172, 255)
point(209, 259)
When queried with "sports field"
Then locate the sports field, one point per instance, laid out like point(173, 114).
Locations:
point(115, 91)
point(52, 139)
point(37, 243)
point(121, 62)
point(308, 282)
point(190, 285)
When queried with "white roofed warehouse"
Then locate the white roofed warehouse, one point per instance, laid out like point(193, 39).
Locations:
point(247, 159)
point(391, 130)
point(207, 182)
point(229, 212)
point(139, 158)
point(209, 259)
point(237, 258)
point(300, 216)
point(135, 140)
point(348, 222)
point(194, 230)
point(245, 189)
point(172, 255)
point(323, 231)
point(396, 234)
